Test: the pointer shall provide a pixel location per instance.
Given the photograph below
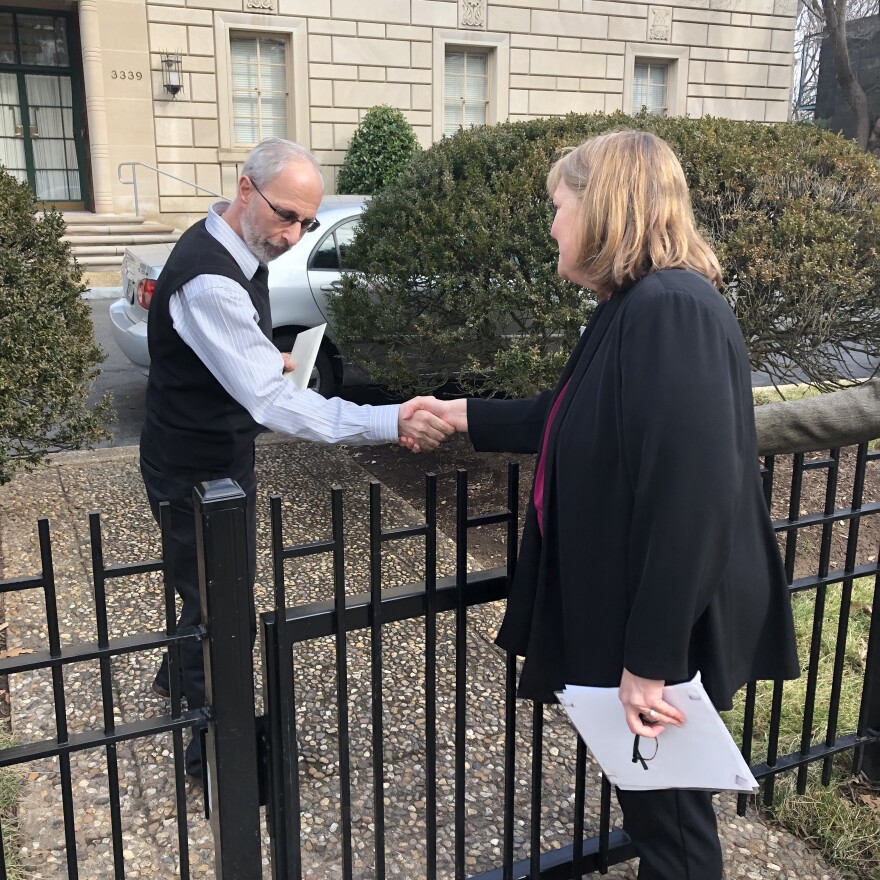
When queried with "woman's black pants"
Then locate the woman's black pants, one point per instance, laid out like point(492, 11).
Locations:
point(674, 832)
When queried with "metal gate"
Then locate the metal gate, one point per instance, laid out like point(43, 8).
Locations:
point(487, 775)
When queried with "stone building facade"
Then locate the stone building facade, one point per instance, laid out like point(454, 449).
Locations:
point(187, 86)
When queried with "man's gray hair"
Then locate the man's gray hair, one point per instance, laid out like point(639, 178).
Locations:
point(271, 156)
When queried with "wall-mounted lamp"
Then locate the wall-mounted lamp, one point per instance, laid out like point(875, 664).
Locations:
point(172, 74)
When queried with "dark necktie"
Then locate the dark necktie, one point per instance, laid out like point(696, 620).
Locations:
point(261, 278)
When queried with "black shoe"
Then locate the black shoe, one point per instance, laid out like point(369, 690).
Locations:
point(196, 780)
point(161, 691)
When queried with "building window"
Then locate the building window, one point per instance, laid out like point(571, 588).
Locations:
point(471, 80)
point(292, 94)
point(655, 77)
point(650, 87)
point(259, 88)
point(41, 40)
point(465, 90)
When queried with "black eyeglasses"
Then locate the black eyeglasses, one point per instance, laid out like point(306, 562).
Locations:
point(289, 216)
point(638, 757)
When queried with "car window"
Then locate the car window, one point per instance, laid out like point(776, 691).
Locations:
point(344, 237)
point(325, 255)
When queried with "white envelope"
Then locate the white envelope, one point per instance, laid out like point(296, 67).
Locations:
point(304, 354)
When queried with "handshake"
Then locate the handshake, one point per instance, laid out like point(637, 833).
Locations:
point(425, 422)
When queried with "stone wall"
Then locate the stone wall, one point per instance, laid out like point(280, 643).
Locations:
point(728, 58)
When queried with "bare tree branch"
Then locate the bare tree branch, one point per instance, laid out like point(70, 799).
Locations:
point(814, 9)
point(830, 17)
point(874, 137)
point(853, 93)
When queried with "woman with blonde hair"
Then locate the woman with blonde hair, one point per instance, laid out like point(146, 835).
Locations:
point(647, 554)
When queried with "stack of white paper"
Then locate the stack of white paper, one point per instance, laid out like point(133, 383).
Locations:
point(700, 754)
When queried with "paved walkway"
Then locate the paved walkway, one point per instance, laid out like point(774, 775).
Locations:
point(108, 480)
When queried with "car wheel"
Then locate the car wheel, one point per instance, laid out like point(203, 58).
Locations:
point(322, 379)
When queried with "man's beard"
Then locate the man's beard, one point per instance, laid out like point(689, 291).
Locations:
point(260, 246)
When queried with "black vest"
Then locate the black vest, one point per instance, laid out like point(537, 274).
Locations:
point(192, 423)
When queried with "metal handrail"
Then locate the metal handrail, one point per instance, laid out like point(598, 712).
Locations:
point(133, 181)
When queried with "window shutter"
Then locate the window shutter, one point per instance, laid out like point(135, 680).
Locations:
point(650, 87)
point(466, 88)
point(259, 88)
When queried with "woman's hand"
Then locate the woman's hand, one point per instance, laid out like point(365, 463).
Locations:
point(644, 696)
point(452, 411)
point(420, 429)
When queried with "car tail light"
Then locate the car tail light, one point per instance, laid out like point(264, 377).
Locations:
point(146, 286)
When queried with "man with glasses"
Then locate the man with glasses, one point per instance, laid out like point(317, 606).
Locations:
point(216, 379)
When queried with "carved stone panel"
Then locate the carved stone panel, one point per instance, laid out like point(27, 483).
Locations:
point(472, 14)
point(259, 5)
point(659, 24)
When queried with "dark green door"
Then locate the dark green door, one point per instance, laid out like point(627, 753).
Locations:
point(40, 122)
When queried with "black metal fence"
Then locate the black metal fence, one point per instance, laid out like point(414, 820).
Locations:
point(327, 812)
point(58, 658)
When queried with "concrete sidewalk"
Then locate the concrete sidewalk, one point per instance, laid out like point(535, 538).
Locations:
point(108, 480)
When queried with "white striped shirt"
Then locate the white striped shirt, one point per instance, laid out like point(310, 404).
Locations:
point(214, 316)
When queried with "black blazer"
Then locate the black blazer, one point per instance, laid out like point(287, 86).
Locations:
point(658, 554)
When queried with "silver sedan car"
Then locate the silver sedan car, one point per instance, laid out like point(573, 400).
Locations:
point(299, 284)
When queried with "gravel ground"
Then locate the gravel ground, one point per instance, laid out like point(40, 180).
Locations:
point(109, 481)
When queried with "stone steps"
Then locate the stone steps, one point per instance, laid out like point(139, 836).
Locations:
point(78, 230)
point(98, 241)
point(97, 244)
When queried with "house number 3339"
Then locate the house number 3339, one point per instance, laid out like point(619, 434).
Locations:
point(126, 74)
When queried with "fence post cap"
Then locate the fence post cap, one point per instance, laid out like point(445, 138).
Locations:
point(217, 491)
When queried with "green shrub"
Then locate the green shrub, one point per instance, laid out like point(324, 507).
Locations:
point(10, 793)
point(381, 148)
point(47, 351)
point(460, 270)
point(842, 826)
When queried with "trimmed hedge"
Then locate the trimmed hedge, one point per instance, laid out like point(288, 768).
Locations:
point(380, 149)
point(48, 355)
point(459, 270)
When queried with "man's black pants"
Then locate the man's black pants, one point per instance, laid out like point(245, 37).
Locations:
point(674, 832)
point(177, 488)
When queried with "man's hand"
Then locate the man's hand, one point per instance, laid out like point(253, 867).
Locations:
point(453, 412)
point(419, 428)
point(289, 365)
